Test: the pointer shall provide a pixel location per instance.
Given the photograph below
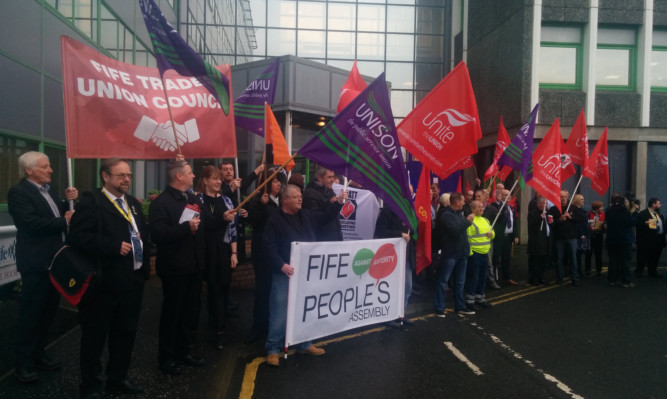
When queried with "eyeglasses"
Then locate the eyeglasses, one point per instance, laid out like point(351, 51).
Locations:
point(122, 175)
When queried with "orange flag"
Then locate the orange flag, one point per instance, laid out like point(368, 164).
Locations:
point(277, 152)
point(423, 210)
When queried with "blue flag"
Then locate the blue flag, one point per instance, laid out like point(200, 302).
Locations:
point(361, 143)
point(172, 52)
point(519, 152)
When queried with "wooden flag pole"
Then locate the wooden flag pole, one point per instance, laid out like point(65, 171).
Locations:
point(171, 117)
point(261, 186)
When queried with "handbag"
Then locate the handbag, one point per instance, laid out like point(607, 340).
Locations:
point(71, 272)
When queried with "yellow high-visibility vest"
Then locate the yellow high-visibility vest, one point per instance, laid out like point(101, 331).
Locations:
point(479, 242)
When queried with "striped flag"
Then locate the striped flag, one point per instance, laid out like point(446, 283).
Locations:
point(172, 52)
point(519, 153)
point(361, 143)
point(249, 106)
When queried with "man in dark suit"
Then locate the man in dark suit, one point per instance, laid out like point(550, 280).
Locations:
point(650, 238)
point(41, 219)
point(506, 230)
point(109, 225)
point(175, 229)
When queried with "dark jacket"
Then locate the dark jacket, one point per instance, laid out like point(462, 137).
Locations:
point(317, 198)
point(647, 237)
point(258, 214)
point(570, 228)
point(389, 225)
point(619, 222)
point(452, 227)
point(490, 213)
point(245, 183)
point(99, 229)
point(282, 229)
point(40, 233)
point(217, 254)
point(538, 241)
point(178, 250)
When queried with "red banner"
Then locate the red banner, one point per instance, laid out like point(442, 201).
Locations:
point(547, 165)
point(114, 109)
point(444, 127)
point(423, 211)
point(354, 85)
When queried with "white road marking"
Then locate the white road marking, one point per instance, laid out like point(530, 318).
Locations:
point(463, 358)
point(559, 384)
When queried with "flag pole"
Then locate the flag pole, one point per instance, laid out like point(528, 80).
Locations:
point(70, 181)
point(171, 117)
point(261, 186)
point(504, 202)
point(575, 190)
point(238, 189)
point(266, 131)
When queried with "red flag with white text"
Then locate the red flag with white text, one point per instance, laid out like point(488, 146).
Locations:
point(114, 109)
point(598, 166)
point(444, 127)
point(547, 165)
point(577, 141)
point(423, 211)
point(502, 141)
point(354, 85)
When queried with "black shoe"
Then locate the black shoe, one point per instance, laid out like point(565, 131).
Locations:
point(26, 374)
point(484, 305)
point(192, 360)
point(46, 363)
point(220, 341)
point(394, 323)
point(125, 386)
point(576, 283)
point(440, 313)
point(171, 368)
point(407, 322)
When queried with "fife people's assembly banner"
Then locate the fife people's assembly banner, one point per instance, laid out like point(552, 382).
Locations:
point(338, 286)
point(114, 109)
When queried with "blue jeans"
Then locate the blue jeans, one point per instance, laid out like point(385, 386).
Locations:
point(275, 340)
point(566, 247)
point(449, 265)
point(475, 286)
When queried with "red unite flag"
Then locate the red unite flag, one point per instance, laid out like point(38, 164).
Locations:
point(502, 142)
point(566, 167)
point(114, 109)
point(277, 151)
point(547, 165)
point(354, 85)
point(444, 127)
point(423, 211)
point(577, 141)
point(598, 166)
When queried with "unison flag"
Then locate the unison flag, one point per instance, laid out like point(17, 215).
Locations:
point(277, 152)
point(518, 154)
point(547, 165)
point(577, 141)
point(354, 85)
point(423, 210)
point(172, 52)
point(249, 106)
point(444, 127)
point(360, 143)
point(502, 141)
point(598, 166)
point(114, 109)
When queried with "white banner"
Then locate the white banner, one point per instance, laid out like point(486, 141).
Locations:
point(339, 286)
point(8, 272)
point(358, 215)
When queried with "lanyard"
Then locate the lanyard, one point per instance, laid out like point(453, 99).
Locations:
point(122, 212)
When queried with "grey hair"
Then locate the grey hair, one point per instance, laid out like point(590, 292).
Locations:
point(175, 167)
point(29, 161)
point(284, 191)
point(321, 171)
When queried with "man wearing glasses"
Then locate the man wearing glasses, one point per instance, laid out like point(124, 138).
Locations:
point(109, 225)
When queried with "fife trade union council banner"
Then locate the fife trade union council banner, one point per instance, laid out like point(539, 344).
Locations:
point(338, 286)
point(114, 109)
point(358, 215)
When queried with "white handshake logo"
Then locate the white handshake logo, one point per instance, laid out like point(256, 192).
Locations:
point(162, 134)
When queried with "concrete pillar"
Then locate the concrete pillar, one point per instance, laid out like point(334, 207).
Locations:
point(590, 51)
point(639, 169)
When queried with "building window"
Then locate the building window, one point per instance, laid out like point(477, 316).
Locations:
point(659, 61)
point(615, 66)
point(561, 51)
point(10, 150)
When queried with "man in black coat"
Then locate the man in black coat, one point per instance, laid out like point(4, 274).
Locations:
point(317, 197)
point(109, 225)
point(650, 238)
point(175, 229)
point(41, 219)
point(539, 231)
point(565, 232)
point(506, 229)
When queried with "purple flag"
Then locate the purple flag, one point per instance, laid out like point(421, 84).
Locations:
point(519, 152)
point(249, 106)
point(361, 143)
point(172, 52)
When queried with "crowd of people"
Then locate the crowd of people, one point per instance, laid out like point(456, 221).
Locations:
point(196, 231)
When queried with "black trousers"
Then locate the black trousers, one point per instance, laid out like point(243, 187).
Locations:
point(648, 256)
point(180, 307)
point(536, 264)
point(502, 250)
point(39, 303)
point(108, 316)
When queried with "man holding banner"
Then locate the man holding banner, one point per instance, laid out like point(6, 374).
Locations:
point(289, 224)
